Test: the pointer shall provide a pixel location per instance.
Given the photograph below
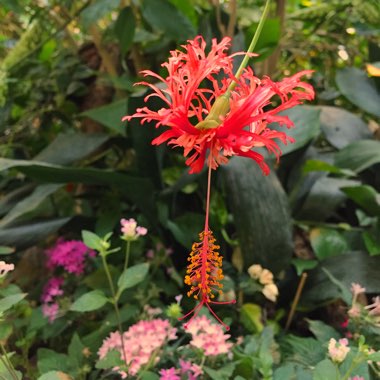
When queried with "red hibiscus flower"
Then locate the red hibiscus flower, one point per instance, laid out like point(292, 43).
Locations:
point(204, 112)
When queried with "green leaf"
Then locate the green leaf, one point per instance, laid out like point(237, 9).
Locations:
point(292, 371)
point(261, 216)
point(327, 243)
point(251, 316)
point(97, 10)
point(75, 351)
point(341, 127)
point(67, 148)
point(89, 301)
point(6, 250)
point(147, 375)
point(138, 190)
point(302, 265)
point(375, 357)
point(7, 302)
point(306, 127)
point(359, 155)
point(186, 228)
point(125, 29)
point(29, 234)
point(132, 276)
point(29, 204)
point(55, 375)
point(92, 240)
point(322, 332)
point(49, 360)
point(110, 115)
point(366, 197)
point(188, 9)
point(372, 241)
point(112, 359)
point(355, 85)
point(160, 15)
point(223, 373)
point(325, 370)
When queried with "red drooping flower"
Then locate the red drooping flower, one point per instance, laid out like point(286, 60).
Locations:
point(202, 113)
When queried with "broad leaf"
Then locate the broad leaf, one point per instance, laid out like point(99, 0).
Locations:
point(29, 234)
point(251, 316)
point(49, 360)
point(322, 332)
point(261, 216)
point(366, 197)
point(359, 155)
point(132, 276)
point(55, 375)
point(7, 302)
point(165, 17)
point(89, 301)
point(71, 147)
point(125, 29)
point(355, 85)
point(112, 359)
point(341, 127)
point(91, 240)
point(29, 204)
point(110, 115)
point(325, 370)
point(327, 243)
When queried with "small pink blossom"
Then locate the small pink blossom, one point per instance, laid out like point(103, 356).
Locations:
point(354, 311)
point(50, 311)
point(357, 289)
point(52, 289)
point(208, 336)
point(338, 350)
point(169, 374)
point(70, 255)
point(357, 378)
point(130, 230)
point(140, 341)
point(5, 268)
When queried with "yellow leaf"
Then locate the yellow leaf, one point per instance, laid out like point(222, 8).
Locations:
point(373, 70)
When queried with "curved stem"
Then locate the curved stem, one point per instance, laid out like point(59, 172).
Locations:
point(251, 46)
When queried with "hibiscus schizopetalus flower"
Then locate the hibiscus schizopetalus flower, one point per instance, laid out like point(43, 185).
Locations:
point(202, 114)
point(209, 109)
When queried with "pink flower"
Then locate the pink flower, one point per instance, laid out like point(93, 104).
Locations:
point(5, 268)
point(52, 289)
point(338, 350)
point(208, 336)
point(50, 311)
point(190, 369)
point(357, 378)
point(169, 374)
point(354, 311)
point(130, 230)
point(70, 255)
point(193, 93)
point(357, 289)
point(140, 341)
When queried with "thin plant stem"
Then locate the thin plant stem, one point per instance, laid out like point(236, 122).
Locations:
point(208, 195)
point(127, 253)
point(301, 284)
point(251, 47)
point(7, 363)
point(114, 302)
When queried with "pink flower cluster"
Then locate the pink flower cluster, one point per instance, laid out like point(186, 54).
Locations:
point(140, 341)
point(130, 229)
point(338, 350)
point(51, 291)
point(187, 371)
point(208, 336)
point(70, 255)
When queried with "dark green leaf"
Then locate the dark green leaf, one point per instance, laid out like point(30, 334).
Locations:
point(160, 14)
point(341, 127)
point(112, 359)
point(303, 265)
point(49, 360)
point(7, 302)
point(354, 266)
point(6, 250)
point(147, 375)
point(110, 115)
point(318, 165)
point(71, 147)
point(29, 204)
point(366, 197)
point(75, 351)
point(372, 241)
point(188, 9)
point(327, 243)
point(89, 301)
point(97, 10)
point(186, 228)
point(355, 85)
point(223, 373)
point(261, 216)
point(132, 276)
point(306, 127)
point(322, 332)
point(125, 29)
point(325, 370)
point(292, 371)
point(29, 234)
point(359, 155)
